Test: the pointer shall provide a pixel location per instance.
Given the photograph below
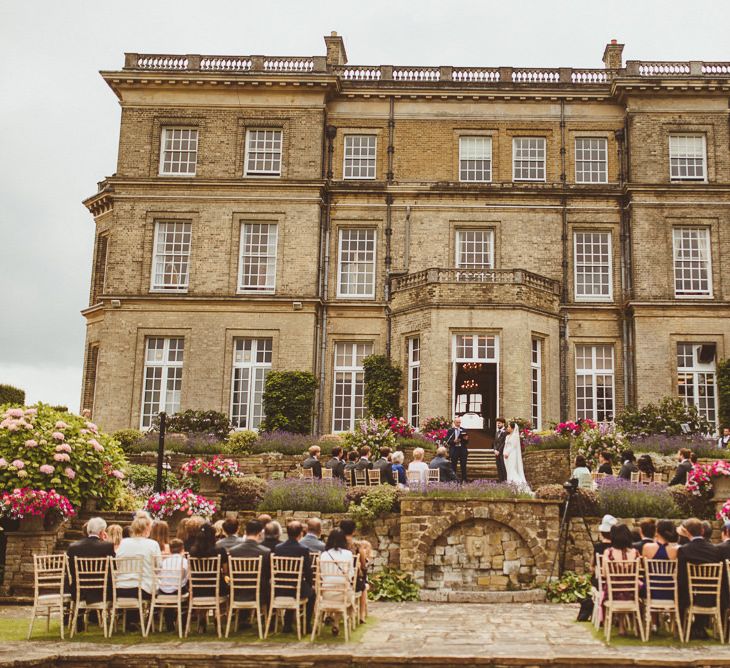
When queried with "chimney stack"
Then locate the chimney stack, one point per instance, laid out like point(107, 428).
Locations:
point(336, 54)
point(612, 55)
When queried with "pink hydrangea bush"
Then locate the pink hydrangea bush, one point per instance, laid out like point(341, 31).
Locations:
point(164, 505)
point(28, 502)
point(42, 448)
point(218, 467)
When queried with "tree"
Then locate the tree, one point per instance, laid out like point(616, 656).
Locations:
point(11, 395)
point(383, 382)
point(289, 401)
point(723, 390)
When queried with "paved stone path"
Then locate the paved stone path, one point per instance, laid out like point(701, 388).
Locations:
point(423, 634)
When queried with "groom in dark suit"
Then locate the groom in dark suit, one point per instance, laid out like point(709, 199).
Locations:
point(499, 440)
point(457, 439)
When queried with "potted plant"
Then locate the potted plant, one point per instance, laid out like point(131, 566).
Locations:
point(176, 504)
point(34, 508)
point(211, 473)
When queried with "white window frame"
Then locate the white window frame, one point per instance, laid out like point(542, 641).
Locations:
point(594, 413)
point(486, 158)
point(602, 171)
point(536, 382)
point(180, 258)
point(263, 173)
point(254, 385)
point(414, 380)
point(367, 163)
point(704, 238)
point(606, 268)
point(538, 179)
point(695, 378)
point(267, 257)
point(484, 348)
point(676, 154)
point(170, 404)
point(373, 262)
point(164, 151)
point(462, 239)
point(353, 378)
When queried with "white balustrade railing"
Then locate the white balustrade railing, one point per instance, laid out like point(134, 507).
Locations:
point(287, 65)
point(225, 63)
point(416, 74)
point(475, 74)
point(535, 76)
point(162, 62)
point(360, 73)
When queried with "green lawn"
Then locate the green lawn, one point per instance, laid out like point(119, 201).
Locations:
point(661, 639)
point(16, 628)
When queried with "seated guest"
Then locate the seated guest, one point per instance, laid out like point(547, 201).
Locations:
point(351, 465)
point(628, 465)
point(697, 551)
point(604, 529)
point(399, 473)
point(312, 538)
point(693, 458)
point(364, 462)
point(139, 544)
point(664, 545)
point(419, 465)
point(621, 548)
point(114, 534)
point(606, 463)
point(707, 530)
point(182, 529)
point(441, 464)
point(384, 466)
point(264, 518)
point(172, 563)
point(204, 546)
point(218, 528)
point(724, 547)
point(191, 530)
point(646, 467)
point(582, 473)
point(647, 531)
point(683, 468)
point(337, 463)
point(161, 533)
point(336, 550)
point(312, 461)
point(94, 544)
point(272, 535)
point(230, 532)
point(361, 549)
point(251, 546)
point(292, 548)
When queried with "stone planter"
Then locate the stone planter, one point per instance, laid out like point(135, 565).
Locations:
point(720, 490)
point(32, 524)
point(90, 504)
point(175, 519)
point(209, 484)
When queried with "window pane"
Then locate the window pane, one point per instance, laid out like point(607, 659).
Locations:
point(357, 263)
point(691, 261)
point(263, 152)
point(171, 261)
point(687, 157)
point(251, 364)
point(594, 382)
point(474, 249)
point(591, 160)
point(162, 383)
point(258, 257)
point(593, 265)
point(349, 385)
point(528, 155)
point(179, 152)
point(696, 381)
point(475, 159)
point(360, 156)
point(414, 379)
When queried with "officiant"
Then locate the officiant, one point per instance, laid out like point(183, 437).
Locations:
point(457, 441)
point(499, 440)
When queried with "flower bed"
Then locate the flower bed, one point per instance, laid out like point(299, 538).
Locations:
point(218, 467)
point(621, 498)
point(166, 504)
point(478, 489)
point(27, 502)
point(370, 432)
point(326, 496)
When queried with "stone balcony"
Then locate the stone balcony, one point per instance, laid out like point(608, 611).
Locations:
point(475, 287)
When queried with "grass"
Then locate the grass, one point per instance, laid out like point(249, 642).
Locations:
point(662, 639)
point(14, 628)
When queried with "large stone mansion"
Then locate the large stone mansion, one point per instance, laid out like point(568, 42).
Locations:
point(539, 242)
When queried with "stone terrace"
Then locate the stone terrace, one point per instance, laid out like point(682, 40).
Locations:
point(422, 634)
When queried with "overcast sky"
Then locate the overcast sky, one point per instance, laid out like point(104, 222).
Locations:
point(59, 122)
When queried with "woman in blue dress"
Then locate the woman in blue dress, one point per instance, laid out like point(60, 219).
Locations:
point(663, 547)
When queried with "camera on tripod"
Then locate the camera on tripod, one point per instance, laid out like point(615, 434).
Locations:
point(571, 486)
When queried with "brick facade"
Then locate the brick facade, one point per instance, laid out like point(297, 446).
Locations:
point(416, 206)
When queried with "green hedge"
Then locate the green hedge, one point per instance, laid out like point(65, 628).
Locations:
point(289, 401)
point(723, 390)
point(11, 395)
point(383, 382)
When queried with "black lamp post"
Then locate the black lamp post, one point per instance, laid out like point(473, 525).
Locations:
point(161, 453)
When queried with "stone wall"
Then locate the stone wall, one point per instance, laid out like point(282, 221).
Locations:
point(546, 467)
point(262, 466)
point(461, 548)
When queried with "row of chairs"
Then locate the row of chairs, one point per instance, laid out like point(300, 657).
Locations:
point(372, 476)
point(97, 578)
point(619, 590)
point(637, 477)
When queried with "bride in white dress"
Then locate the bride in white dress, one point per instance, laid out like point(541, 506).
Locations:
point(513, 457)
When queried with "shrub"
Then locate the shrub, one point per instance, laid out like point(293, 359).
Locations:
point(166, 504)
point(621, 498)
point(218, 467)
point(584, 502)
point(208, 423)
point(666, 417)
point(435, 428)
point(371, 432)
point(669, 445)
point(481, 489)
point(400, 427)
point(240, 442)
point(141, 478)
point(416, 441)
point(289, 401)
point(574, 428)
point(283, 442)
point(691, 505)
point(27, 502)
point(570, 588)
point(11, 395)
point(592, 442)
point(723, 392)
point(551, 493)
point(127, 438)
point(325, 496)
point(243, 493)
point(392, 584)
point(376, 502)
point(536, 442)
point(44, 449)
point(383, 382)
point(179, 443)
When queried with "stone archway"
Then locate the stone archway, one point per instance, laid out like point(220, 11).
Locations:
point(480, 554)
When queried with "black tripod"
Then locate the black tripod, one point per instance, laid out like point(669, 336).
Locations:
point(571, 487)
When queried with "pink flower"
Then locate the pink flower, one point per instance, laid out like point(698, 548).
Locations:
point(58, 435)
point(3, 463)
point(98, 447)
point(84, 431)
point(30, 443)
point(18, 463)
point(46, 468)
point(22, 474)
point(13, 426)
point(14, 412)
point(118, 474)
point(63, 447)
point(61, 457)
point(69, 473)
point(61, 425)
point(31, 411)
point(92, 426)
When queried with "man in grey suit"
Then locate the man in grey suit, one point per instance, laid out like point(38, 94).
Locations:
point(230, 528)
point(443, 465)
point(251, 546)
point(384, 466)
point(311, 540)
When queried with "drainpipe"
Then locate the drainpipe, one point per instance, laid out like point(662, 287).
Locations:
point(331, 133)
point(564, 348)
point(389, 229)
